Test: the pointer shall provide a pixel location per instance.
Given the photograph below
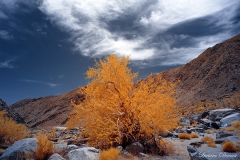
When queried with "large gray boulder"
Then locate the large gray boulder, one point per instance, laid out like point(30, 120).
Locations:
point(19, 149)
point(56, 156)
point(220, 134)
point(86, 153)
point(218, 114)
point(226, 121)
point(195, 154)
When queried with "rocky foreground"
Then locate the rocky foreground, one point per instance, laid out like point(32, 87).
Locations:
point(215, 124)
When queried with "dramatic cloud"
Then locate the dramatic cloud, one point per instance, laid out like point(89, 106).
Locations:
point(91, 24)
point(41, 82)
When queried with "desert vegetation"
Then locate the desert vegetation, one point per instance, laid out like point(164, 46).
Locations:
point(117, 112)
point(45, 147)
point(10, 131)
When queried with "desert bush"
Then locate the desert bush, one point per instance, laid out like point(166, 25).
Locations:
point(214, 131)
point(229, 147)
point(194, 135)
point(110, 154)
point(1, 150)
point(207, 139)
point(181, 140)
point(11, 131)
point(52, 135)
point(118, 112)
point(222, 129)
point(165, 146)
point(45, 147)
point(208, 131)
point(212, 144)
point(230, 129)
point(184, 136)
point(236, 124)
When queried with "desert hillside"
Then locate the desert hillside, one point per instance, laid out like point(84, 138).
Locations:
point(214, 74)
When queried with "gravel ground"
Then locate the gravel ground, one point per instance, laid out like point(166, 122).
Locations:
point(181, 153)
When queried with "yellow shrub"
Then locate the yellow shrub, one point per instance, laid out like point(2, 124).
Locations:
point(184, 136)
point(53, 134)
point(207, 139)
point(236, 124)
point(114, 110)
point(208, 131)
point(45, 147)
point(222, 129)
point(165, 146)
point(110, 154)
point(212, 144)
point(11, 131)
point(194, 135)
point(214, 131)
point(229, 147)
point(230, 129)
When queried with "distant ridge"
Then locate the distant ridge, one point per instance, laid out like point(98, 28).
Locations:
point(47, 111)
point(214, 74)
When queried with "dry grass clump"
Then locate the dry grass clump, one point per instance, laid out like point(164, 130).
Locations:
point(181, 140)
point(165, 146)
point(208, 131)
point(230, 129)
point(1, 150)
point(184, 136)
point(45, 147)
point(209, 141)
point(52, 135)
point(222, 129)
point(214, 131)
point(194, 135)
point(110, 154)
point(212, 144)
point(236, 124)
point(229, 147)
point(11, 131)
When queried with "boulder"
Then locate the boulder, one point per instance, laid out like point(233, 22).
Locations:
point(60, 146)
point(86, 153)
point(194, 153)
point(222, 134)
point(233, 139)
point(56, 156)
point(20, 148)
point(218, 114)
point(135, 148)
point(228, 120)
point(215, 125)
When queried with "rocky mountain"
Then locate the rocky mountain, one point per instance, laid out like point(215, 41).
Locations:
point(214, 74)
point(47, 111)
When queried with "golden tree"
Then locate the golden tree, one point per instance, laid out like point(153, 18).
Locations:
point(115, 111)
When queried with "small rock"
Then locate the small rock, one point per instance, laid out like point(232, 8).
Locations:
point(56, 156)
point(222, 134)
point(86, 153)
point(194, 154)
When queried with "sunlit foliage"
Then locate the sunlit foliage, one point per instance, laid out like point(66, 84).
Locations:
point(11, 131)
point(115, 111)
point(45, 147)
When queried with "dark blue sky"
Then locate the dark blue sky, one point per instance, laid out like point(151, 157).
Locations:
point(46, 46)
